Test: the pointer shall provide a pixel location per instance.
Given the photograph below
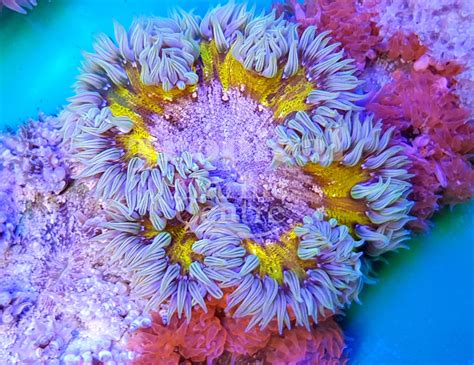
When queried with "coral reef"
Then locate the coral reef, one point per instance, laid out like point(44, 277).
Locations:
point(9, 217)
point(18, 5)
point(34, 158)
point(31, 164)
point(60, 302)
point(14, 301)
point(444, 27)
point(438, 140)
point(217, 188)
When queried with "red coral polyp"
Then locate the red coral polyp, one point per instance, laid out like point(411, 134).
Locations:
point(323, 345)
point(439, 137)
point(203, 338)
point(405, 46)
point(350, 24)
point(242, 342)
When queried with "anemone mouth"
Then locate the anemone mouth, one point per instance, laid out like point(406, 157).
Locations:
point(279, 256)
point(181, 251)
point(184, 114)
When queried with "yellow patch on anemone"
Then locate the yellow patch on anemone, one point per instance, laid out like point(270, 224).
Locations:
point(149, 231)
point(278, 256)
point(139, 102)
point(181, 248)
point(282, 96)
point(336, 182)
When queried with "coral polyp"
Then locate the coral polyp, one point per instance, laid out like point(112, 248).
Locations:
point(183, 119)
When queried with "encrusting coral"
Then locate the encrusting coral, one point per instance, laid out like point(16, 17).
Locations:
point(31, 163)
point(34, 158)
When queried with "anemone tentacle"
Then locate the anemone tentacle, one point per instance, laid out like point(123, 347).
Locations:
point(375, 184)
point(222, 23)
point(177, 261)
point(19, 6)
point(325, 277)
point(266, 43)
point(175, 184)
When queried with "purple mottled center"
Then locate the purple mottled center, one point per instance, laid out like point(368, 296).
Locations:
point(231, 130)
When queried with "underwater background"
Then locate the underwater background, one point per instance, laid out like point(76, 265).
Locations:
point(421, 311)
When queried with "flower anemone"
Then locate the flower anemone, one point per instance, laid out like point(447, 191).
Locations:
point(181, 261)
point(170, 186)
point(185, 113)
point(311, 272)
point(363, 177)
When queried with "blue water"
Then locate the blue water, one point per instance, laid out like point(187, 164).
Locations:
point(421, 311)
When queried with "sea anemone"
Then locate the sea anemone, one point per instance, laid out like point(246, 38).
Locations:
point(311, 272)
point(18, 5)
point(363, 177)
point(186, 115)
point(180, 260)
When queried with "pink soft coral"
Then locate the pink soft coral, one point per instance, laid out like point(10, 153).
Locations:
point(159, 343)
point(241, 342)
point(429, 119)
point(324, 345)
point(201, 339)
point(215, 337)
point(205, 337)
point(350, 23)
point(405, 46)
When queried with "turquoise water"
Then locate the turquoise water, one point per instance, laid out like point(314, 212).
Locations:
point(421, 311)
